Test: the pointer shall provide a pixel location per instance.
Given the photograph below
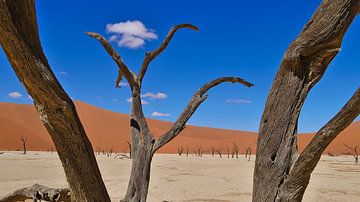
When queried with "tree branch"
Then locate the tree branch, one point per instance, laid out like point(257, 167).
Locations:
point(152, 55)
point(194, 103)
point(123, 69)
point(298, 179)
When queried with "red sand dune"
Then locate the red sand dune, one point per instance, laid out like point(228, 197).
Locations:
point(107, 129)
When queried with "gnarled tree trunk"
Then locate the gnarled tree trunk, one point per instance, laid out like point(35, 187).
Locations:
point(20, 40)
point(303, 65)
point(143, 144)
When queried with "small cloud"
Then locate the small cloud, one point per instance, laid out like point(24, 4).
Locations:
point(143, 102)
point(154, 96)
point(30, 98)
point(123, 84)
point(155, 113)
point(63, 73)
point(115, 100)
point(15, 95)
point(131, 34)
point(99, 97)
point(238, 101)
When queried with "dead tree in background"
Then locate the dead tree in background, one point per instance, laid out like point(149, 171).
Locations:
point(19, 38)
point(129, 147)
point(180, 150)
point(218, 151)
point(228, 151)
point(144, 145)
point(23, 140)
point(236, 150)
point(247, 151)
point(278, 175)
point(187, 151)
point(212, 151)
point(199, 151)
point(354, 152)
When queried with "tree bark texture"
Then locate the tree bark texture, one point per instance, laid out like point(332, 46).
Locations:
point(303, 65)
point(20, 40)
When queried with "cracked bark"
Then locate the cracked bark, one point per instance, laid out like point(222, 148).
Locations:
point(303, 65)
point(20, 40)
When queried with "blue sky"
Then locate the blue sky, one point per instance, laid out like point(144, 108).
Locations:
point(237, 38)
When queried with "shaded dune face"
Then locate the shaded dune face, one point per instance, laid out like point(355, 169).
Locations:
point(109, 130)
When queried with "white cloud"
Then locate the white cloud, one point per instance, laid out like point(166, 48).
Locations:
point(63, 73)
point(154, 96)
point(30, 98)
point(123, 84)
point(131, 34)
point(238, 101)
point(15, 95)
point(155, 113)
point(99, 97)
point(143, 102)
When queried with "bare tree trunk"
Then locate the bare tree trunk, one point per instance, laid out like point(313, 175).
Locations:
point(142, 155)
point(23, 140)
point(303, 65)
point(354, 153)
point(143, 144)
point(20, 40)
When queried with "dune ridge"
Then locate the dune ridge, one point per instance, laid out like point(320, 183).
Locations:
point(110, 130)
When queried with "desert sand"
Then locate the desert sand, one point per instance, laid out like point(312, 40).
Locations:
point(181, 178)
point(107, 129)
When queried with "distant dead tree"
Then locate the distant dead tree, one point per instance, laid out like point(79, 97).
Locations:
point(218, 151)
point(19, 39)
point(236, 150)
point(228, 151)
point(353, 152)
point(212, 151)
point(23, 140)
point(280, 173)
point(249, 154)
point(199, 151)
point(144, 145)
point(187, 151)
point(180, 150)
point(129, 147)
point(247, 151)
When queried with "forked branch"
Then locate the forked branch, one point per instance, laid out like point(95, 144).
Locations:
point(298, 179)
point(194, 103)
point(152, 55)
point(123, 69)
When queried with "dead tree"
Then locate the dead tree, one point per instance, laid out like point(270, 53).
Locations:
point(187, 151)
point(129, 147)
point(19, 38)
point(212, 151)
point(278, 175)
point(23, 140)
point(180, 150)
point(236, 150)
point(228, 151)
point(218, 151)
point(249, 153)
point(199, 151)
point(144, 145)
point(354, 152)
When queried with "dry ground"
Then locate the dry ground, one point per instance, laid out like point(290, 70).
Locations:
point(176, 178)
